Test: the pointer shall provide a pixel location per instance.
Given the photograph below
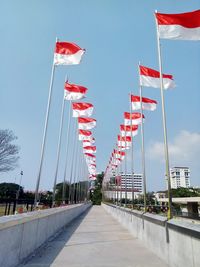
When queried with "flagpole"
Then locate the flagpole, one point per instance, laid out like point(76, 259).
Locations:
point(66, 158)
point(132, 164)
point(142, 142)
point(74, 163)
point(72, 159)
point(44, 134)
point(120, 169)
point(58, 149)
point(169, 215)
point(125, 172)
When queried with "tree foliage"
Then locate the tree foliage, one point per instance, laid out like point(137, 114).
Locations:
point(9, 190)
point(8, 151)
point(185, 192)
point(96, 194)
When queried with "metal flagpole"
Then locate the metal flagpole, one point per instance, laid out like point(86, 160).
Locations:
point(66, 159)
point(142, 145)
point(44, 134)
point(132, 164)
point(58, 148)
point(164, 127)
point(125, 172)
point(73, 172)
point(71, 167)
point(120, 169)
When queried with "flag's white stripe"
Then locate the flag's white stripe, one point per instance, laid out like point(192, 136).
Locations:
point(134, 122)
point(155, 82)
point(146, 106)
point(128, 133)
point(86, 112)
point(87, 143)
point(122, 143)
point(73, 95)
point(60, 59)
point(178, 32)
point(86, 126)
point(89, 151)
point(84, 137)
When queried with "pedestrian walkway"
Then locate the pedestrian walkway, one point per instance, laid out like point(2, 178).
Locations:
point(95, 240)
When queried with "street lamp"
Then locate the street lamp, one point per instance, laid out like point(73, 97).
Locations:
point(21, 173)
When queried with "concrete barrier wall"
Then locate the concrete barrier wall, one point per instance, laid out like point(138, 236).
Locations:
point(22, 234)
point(176, 241)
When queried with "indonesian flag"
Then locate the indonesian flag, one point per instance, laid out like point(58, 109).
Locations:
point(184, 26)
point(134, 118)
point(124, 141)
point(67, 53)
point(82, 109)
point(90, 149)
point(127, 130)
point(86, 123)
point(151, 78)
point(84, 135)
point(147, 103)
point(90, 160)
point(87, 143)
point(74, 92)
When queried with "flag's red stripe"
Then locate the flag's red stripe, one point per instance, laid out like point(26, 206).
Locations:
point(84, 132)
point(81, 106)
point(85, 120)
point(133, 116)
point(66, 48)
point(135, 98)
point(128, 128)
point(187, 20)
point(153, 73)
point(73, 88)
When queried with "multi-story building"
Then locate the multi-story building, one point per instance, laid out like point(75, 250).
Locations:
point(180, 177)
point(126, 182)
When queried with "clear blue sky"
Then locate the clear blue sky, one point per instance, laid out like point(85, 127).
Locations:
point(116, 35)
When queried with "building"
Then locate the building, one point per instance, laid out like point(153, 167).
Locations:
point(180, 177)
point(127, 180)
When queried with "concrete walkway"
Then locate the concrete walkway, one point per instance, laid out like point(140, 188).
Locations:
point(95, 240)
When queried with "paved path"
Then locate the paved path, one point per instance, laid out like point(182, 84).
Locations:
point(95, 240)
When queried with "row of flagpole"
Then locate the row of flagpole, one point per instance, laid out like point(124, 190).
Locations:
point(184, 26)
point(82, 155)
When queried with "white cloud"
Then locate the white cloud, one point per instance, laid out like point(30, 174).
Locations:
point(183, 150)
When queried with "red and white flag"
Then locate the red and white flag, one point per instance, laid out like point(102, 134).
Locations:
point(147, 103)
point(128, 130)
point(87, 143)
point(124, 141)
point(151, 78)
point(89, 149)
point(86, 123)
point(89, 155)
point(134, 118)
point(67, 53)
point(183, 26)
point(82, 109)
point(74, 92)
point(84, 135)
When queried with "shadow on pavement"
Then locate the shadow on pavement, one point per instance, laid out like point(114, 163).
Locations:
point(45, 255)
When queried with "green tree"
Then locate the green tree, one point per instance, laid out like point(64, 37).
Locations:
point(96, 193)
point(185, 192)
point(9, 190)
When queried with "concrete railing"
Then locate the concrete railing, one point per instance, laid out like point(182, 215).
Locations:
point(176, 241)
point(22, 234)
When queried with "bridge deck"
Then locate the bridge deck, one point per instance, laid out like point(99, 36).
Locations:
point(95, 240)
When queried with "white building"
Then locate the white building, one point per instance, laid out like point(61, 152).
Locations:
point(180, 177)
point(127, 180)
